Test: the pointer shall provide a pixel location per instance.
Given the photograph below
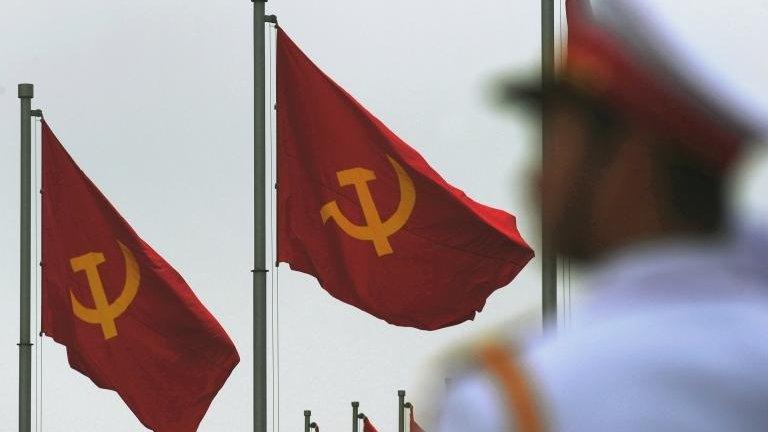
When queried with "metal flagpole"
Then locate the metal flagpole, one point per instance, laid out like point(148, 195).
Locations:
point(26, 93)
point(260, 228)
point(401, 410)
point(548, 255)
point(355, 419)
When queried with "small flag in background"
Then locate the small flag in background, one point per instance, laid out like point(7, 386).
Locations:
point(129, 321)
point(366, 215)
point(368, 426)
point(414, 427)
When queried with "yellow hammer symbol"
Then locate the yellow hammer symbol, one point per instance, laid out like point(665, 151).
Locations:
point(375, 230)
point(105, 312)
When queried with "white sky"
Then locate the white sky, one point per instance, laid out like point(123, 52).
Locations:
point(154, 101)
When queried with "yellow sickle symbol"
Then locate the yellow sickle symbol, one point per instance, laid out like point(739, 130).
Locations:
point(105, 312)
point(375, 230)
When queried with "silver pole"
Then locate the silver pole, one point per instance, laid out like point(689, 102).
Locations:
point(26, 93)
point(355, 419)
point(260, 227)
point(409, 406)
point(401, 410)
point(548, 255)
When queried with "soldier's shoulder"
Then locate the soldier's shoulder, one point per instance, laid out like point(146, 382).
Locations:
point(514, 335)
point(472, 402)
point(475, 397)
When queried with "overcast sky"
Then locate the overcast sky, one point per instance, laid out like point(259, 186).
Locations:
point(153, 99)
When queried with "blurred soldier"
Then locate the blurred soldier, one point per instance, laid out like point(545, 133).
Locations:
point(673, 336)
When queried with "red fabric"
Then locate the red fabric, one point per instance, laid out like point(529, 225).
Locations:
point(168, 356)
point(446, 259)
point(414, 427)
point(367, 426)
point(600, 63)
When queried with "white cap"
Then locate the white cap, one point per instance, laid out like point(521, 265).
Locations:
point(709, 50)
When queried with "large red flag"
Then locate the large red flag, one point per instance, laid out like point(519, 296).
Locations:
point(129, 321)
point(364, 213)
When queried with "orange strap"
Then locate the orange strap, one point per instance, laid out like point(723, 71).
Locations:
point(521, 401)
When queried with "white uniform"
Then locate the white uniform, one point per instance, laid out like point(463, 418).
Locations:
point(673, 338)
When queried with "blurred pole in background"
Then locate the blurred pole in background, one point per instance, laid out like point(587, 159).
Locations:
point(548, 256)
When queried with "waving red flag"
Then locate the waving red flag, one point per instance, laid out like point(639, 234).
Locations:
point(129, 321)
point(364, 213)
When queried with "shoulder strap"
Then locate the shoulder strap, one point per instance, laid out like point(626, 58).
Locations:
point(515, 386)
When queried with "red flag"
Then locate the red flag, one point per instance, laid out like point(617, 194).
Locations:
point(414, 427)
point(129, 321)
point(364, 213)
point(368, 426)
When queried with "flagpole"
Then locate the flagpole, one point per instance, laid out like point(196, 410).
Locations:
point(548, 255)
point(26, 93)
point(260, 228)
point(401, 410)
point(355, 408)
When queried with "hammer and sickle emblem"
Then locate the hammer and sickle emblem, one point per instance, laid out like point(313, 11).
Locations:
point(375, 230)
point(105, 312)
